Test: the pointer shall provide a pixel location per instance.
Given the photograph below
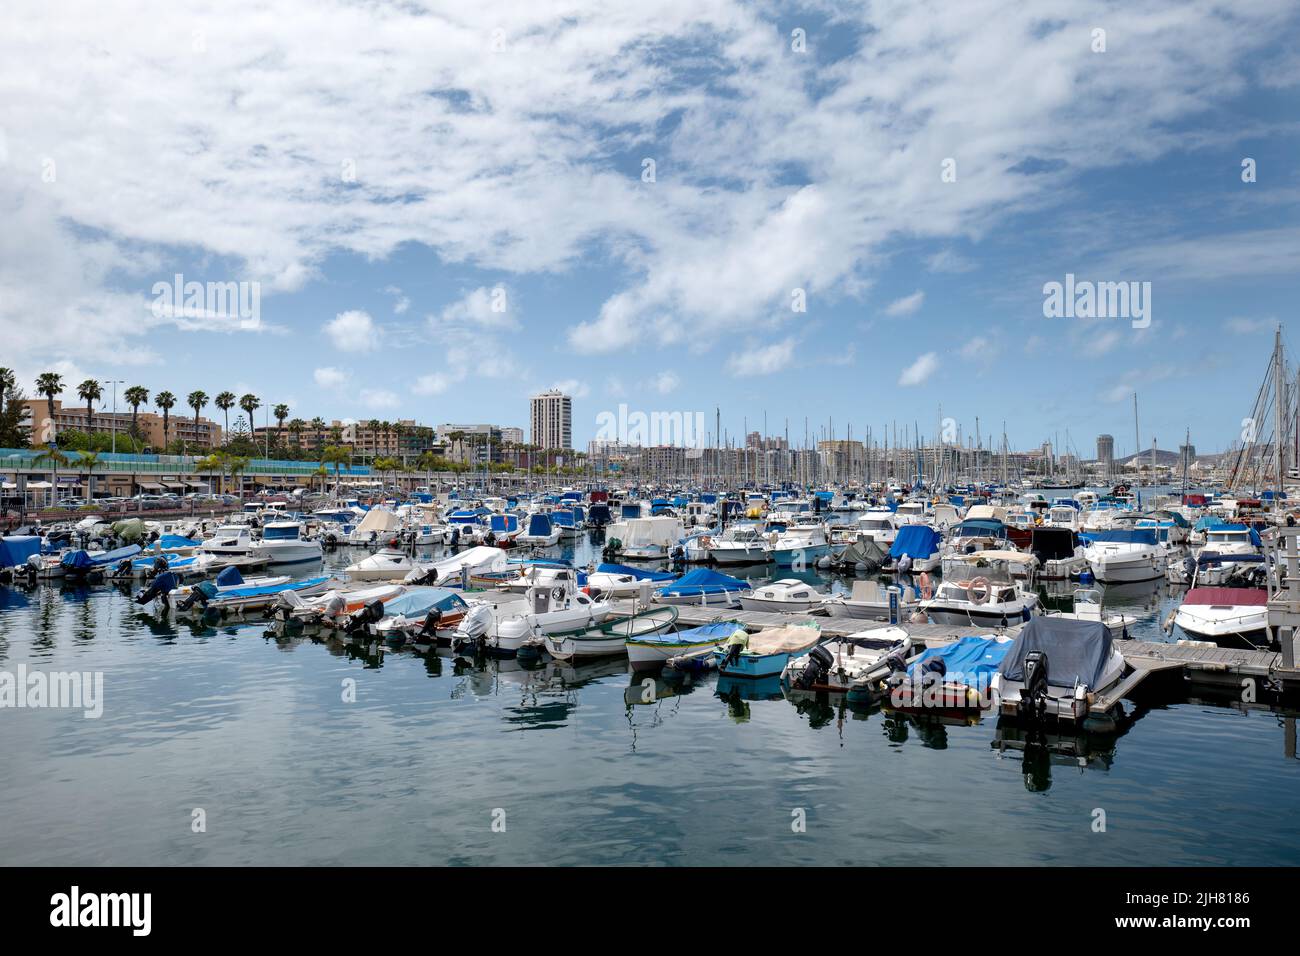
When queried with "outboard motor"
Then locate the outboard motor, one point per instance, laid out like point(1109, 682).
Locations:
point(198, 595)
point(429, 629)
point(1033, 698)
point(162, 586)
point(123, 569)
point(363, 618)
point(817, 669)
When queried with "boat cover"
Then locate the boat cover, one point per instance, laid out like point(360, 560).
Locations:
point(259, 590)
point(784, 640)
point(718, 631)
point(1235, 597)
point(229, 577)
point(915, 541)
point(1218, 524)
point(418, 601)
point(639, 573)
point(172, 542)
point(378, 520)
point(84, 560)
point(980, 528)
point(704, 581)
point(1207, 558)
point(16, 549)
point(1074, 649)
point(539, 525)
point(972, 660)
point(1123, 536)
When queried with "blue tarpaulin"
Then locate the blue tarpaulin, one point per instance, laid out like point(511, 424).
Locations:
point(639, 573)
point(230, 578)
point(971, 660)
point(16, 549)
point(84, 560)
point(915, 541)
point(704, 581)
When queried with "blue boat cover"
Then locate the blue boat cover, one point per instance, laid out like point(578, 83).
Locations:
point(980, 528)
point(230, 578)
point(1218, 524)
point(718, 630)
point(915, 541)
point(170, 542)
point(82, 560)
point(259, 590)
point(16, 549)
point(639, 573)
point(1074, 649)
point(704, 581)
point(539, 524)
point(972, 660)
point(419, 601)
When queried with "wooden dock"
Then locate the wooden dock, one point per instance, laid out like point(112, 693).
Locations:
point(1207, 665)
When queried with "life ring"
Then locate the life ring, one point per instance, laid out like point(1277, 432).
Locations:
point(557, 593)
point(705, 541)
point(985, 590)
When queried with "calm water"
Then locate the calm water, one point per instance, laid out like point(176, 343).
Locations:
point(253, 731)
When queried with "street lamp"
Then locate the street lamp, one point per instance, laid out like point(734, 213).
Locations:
point(115, 383)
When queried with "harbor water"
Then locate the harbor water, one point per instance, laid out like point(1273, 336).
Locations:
point(225, 745)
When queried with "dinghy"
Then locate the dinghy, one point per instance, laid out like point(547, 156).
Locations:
point(766, 653)
point(655, 650)
point(610, 637)
point(704, 587)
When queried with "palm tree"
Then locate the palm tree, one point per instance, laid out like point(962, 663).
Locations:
point(215, 462)
point(336, 455)
point(237, 465)
point(225, 401)
point(89, 461)
point(279, 413)
point(90, 392)
point(166, 401)
point(322, 473)
point(196, 400)
point(52, 457)
point(50, 384)
point(136, 396)
point(250, 403)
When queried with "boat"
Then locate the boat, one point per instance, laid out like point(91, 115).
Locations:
point(953, 680)
point(869, 601)
point(379, 527)
point(788, 594)
point(1059, 554)
point(230, 592)
point(387, 564)
point(609, 637)
point(283, 542)
point(425, 613)
point(543, 610)
point(336, 605)
point(1057, 668)
point(979, 597)
point(1125, 554)
point(230, 541)
point(919, 545)
point(765, 653)
point(1235, 617)
point(834, 665)
point(800, 546)
point(862, 555)
point(621, 580)
point(540, 532)
point(739, 544)
point(879, 525)
point(655, 650)
point(182, 565)
point(644, 539)
point(704, 587)
point(479, 566)
point(1088, 606)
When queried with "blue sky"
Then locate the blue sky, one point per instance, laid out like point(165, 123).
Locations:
point(382, 171)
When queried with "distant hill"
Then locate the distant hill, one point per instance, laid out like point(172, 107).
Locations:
point(1162, 458)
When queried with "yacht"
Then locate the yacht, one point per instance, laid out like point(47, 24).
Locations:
point(979, 598)
point(283, 542)
point(739, 544)
point(230, 541)
point(1125, 555)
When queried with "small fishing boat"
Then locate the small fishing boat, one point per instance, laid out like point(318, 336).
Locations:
point(378, 528)
point(387, 564)
point(621, 580)
point(610, 637)
point(1056, 669)
point(230, 592)
point(835, 664)
point(953, 680)
point(739, 544)
point(541, 532)
point(284, 542)
point(766, 653)
point(979, 597)
point(704, 587)
point(80, 563)
point(425, 613)
point(335, 605)
point(869, 601)
point(655, 650)
point(919, 545)
point(543, 610)
point(788, 594)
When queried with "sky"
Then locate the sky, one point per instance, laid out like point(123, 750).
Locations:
point(844, 213)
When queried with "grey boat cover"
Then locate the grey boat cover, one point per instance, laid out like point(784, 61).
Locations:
point(1074, 649)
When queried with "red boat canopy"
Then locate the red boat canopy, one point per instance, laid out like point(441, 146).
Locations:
point(1254, 597)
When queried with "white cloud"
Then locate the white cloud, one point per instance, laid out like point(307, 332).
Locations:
point(665, 383)
point(907, 305)
point(378, 398)
point(920, 370)
point(330, 377)
point(400, 302)
point(978, 347)
point(1242, 326)
point(435, 384)
point(353, 331)
point(573, 388)
point(492, 308)
point(763, 360)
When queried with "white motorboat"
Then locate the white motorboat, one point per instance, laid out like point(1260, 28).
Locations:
point(1057, 668)
point(380, 527)
point(1125, 555)
point(739, 544)
point(283, 542)
point(979, 597)
point(230, 541)
point(543, 610)
point(868, 601)
point(788, 594)
point(879, 525)
point(540, 531)
point(645, 539)
point(1232, 616)
point(835, 664)
point(387, 564)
